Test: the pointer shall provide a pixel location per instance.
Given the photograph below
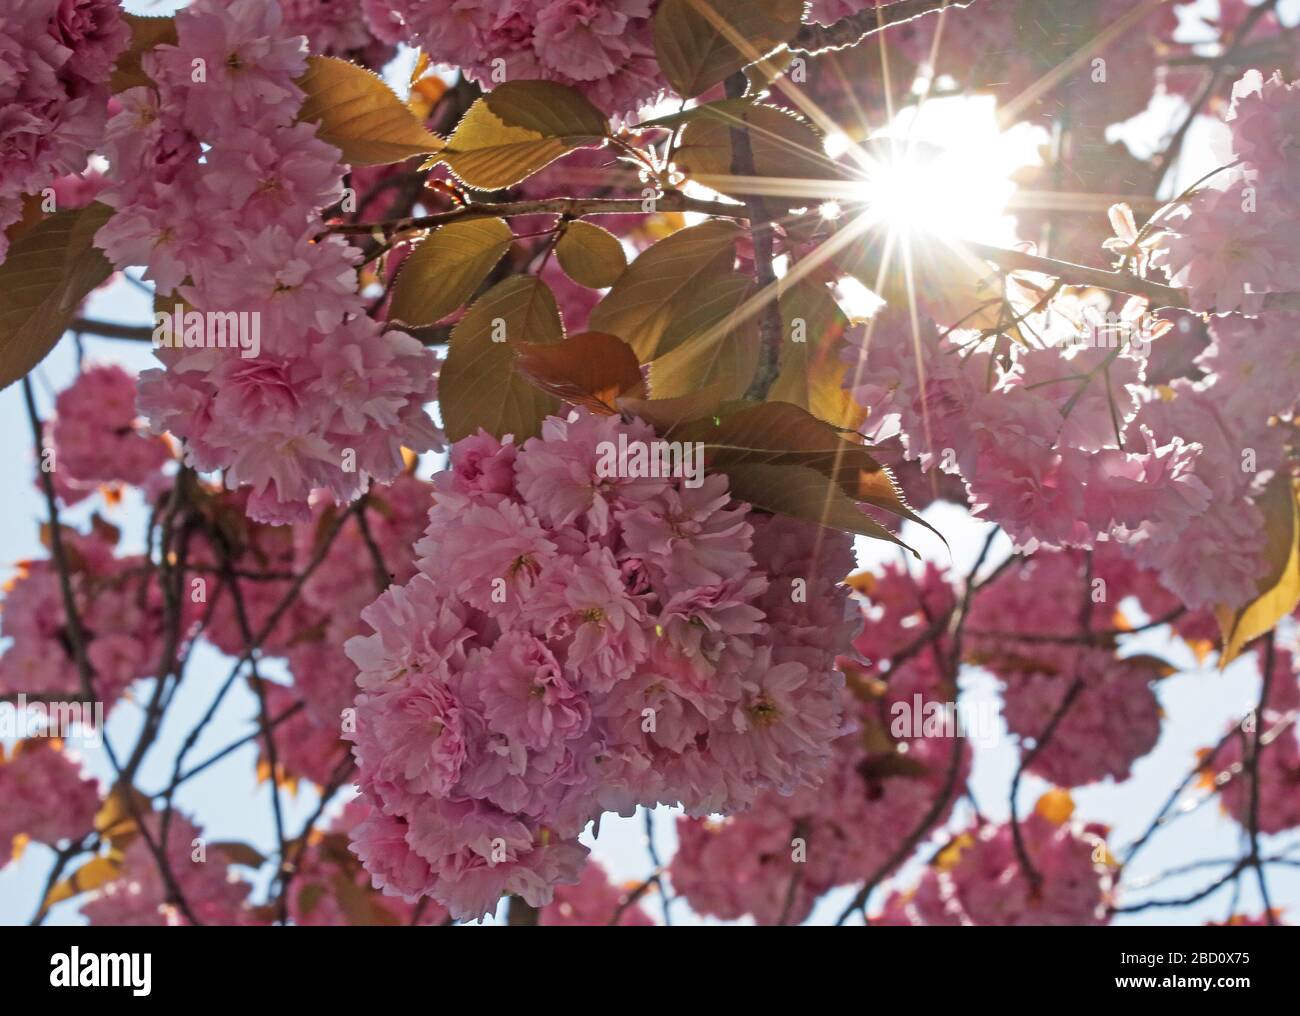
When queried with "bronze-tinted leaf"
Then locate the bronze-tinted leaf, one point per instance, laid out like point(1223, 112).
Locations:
point(240, 853)
point(590, 369)
point(665, 414)
point(781, 434)
point(802, 493)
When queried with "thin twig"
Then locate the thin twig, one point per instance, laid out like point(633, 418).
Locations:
point(76, 636)
point(850, 31)
point(1252, 766)
point(672, 201)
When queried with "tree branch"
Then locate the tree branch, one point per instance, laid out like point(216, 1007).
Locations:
point(944, 797)
point(1044, 739)
point(1081, 275)
point(1253, 767)
point(1167, 158)
point(850, 31)
point(521, 914)
point(672, 201)
point(111, 330)
point(762, 235)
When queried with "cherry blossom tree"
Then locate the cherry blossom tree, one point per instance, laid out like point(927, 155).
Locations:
point(554, 412)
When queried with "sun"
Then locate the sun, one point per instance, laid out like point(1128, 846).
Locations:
point(943, 167)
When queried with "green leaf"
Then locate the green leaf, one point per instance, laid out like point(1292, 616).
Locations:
point(708, 342)
point(447, 268)
point(590, 256)
point(724, 108)
point(478, 386)
point(518, 128)
point(665, 414)
point(1279, 588)
point(781, 434)
point(49, 271)
point(785, 149)
point(803, 493)
point(700, 42)
point(811, 372)
point(644, 300)
point(360, 115)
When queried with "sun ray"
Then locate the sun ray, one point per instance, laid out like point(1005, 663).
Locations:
point(919, 200)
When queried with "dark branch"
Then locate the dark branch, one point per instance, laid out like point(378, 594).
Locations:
point(852, 30)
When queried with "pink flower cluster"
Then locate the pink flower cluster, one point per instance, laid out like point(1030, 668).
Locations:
point(576, 642)
point(46, 797)
point(344, 583)
point(305, 747)
point(1007, 47)
point(887, 772)
point(1115, 719)
point(264, 555)
point(335, 29)
point(55, 60)
point(1036, 435)
point(331, 888)
point(978, 879)
point(1231, 243)
point(775, 860)
point(218, 193)
point(1269, 38)
point(120, 607)
point(827, 12)
point(603, 47)
point(96, 439)
point(1033, 442)
point(1238, 455)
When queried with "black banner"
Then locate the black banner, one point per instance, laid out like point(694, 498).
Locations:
point(142, 966)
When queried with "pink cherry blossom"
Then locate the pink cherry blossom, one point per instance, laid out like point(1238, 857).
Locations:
point(97, 438)
point(47, 799)
point(506, 686)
